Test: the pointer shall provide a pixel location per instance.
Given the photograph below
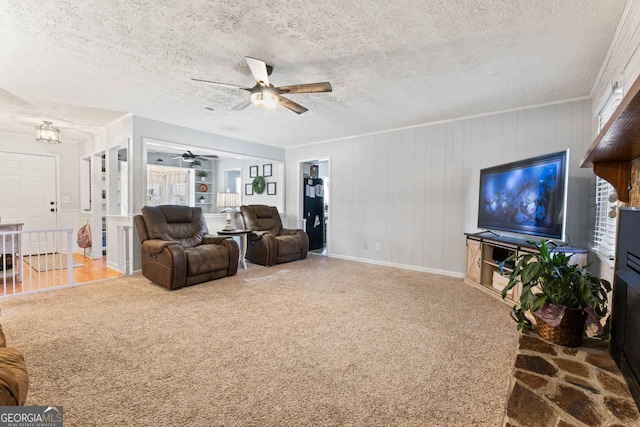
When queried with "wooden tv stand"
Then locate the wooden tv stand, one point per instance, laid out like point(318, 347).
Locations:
point(482, 269)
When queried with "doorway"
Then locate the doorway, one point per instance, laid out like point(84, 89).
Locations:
point(314, 206)
point(28, 193)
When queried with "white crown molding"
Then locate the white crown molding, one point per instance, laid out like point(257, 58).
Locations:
point(439, 122)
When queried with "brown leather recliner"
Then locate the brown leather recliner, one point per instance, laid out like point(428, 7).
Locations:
point(177, 250)
point(270, 244)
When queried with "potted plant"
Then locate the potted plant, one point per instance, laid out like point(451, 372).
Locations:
point(562, 296)
point(196, 164)
point(203, 175)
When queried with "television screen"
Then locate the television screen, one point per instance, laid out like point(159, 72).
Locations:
point(528, 196)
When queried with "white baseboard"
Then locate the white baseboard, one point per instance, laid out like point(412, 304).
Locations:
point(402, 266)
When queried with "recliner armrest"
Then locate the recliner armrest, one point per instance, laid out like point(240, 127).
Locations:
point(257, 235)
point(289, 231)
point(210, 239)
point(155, 246)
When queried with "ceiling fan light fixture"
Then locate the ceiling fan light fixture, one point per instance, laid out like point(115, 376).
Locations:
point(47, 133)
point(264, 98)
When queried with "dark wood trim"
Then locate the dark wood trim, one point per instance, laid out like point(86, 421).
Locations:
point(617, 173)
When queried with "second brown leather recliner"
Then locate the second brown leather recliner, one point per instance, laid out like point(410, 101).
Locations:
point(270, 243)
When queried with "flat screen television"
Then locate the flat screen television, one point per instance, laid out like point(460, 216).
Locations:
point(526, 197)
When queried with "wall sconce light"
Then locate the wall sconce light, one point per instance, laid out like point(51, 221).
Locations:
point(47, 133)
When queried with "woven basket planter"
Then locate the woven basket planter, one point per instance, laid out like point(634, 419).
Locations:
point(569, 332)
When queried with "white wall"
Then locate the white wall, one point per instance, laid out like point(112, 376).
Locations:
point(415, 190)
point(277, 176)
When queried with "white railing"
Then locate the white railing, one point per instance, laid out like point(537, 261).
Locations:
point(35, 260)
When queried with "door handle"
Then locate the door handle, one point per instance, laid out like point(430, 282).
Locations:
point(52, 203)
point(52, 210)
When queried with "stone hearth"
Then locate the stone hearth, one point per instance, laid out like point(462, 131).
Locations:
point(559, 386)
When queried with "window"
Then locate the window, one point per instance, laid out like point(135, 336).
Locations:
point(604, 233)
point(168, 185)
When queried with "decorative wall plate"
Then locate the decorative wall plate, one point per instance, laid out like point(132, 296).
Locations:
point(203, 188)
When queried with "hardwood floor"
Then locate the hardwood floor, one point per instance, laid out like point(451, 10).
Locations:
point(93, 269)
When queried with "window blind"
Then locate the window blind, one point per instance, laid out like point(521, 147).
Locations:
point(604, 233)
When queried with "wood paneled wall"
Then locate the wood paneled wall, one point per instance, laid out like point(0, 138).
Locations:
point(415, 190)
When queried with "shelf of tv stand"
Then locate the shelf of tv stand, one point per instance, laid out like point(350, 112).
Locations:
point(483, 271)
point(496, 265)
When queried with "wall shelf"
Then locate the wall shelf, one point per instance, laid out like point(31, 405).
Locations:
point(617, 144)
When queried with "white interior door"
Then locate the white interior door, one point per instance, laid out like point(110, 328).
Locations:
point(28, 195)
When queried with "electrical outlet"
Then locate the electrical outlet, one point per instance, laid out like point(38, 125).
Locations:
point(365, 246)
point(377, 246)
point(66, 199)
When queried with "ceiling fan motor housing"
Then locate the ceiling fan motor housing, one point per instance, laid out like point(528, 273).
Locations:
point(264, 94)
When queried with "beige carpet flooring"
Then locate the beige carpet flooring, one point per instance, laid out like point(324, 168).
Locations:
point(315, 342)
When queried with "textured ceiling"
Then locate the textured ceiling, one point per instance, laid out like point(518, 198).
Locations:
point(75, 123)
point(391, 63)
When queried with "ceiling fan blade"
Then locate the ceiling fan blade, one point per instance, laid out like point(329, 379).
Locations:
point(293, 106)
point(244, 104)
point(222, 84)
point(258, 70)
point(306, 88)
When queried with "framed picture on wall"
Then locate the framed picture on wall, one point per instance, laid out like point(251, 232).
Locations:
point(253, 171)
point(248, 189)
point(266, 169)
point(271, 188)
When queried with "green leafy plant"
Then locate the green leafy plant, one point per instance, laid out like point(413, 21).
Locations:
point(202, 174)
point(549, 277)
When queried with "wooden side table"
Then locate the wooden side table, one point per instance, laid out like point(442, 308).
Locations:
point(243, 242)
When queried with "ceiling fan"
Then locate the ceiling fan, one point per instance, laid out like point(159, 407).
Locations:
point(189, 157)
point(267, 95)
